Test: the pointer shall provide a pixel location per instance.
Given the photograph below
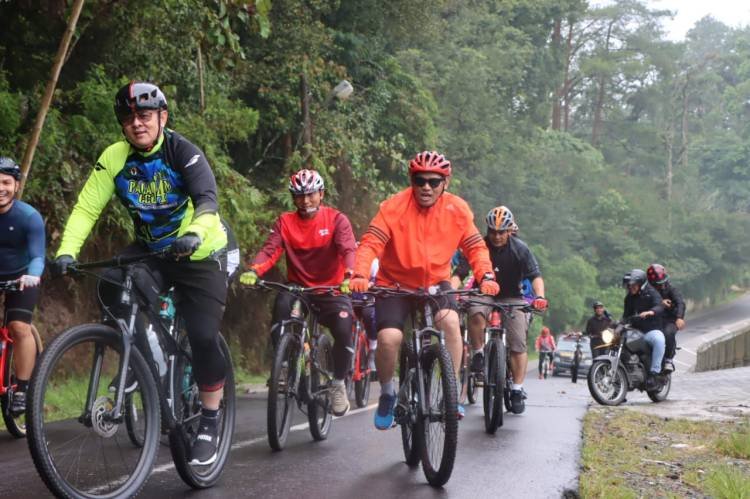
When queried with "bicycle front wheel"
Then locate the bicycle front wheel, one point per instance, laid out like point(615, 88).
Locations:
point(362, 385)
point(319, 409)
point(281, 395)
point(78, 448)
point(440, 430)
point(187, 411)
point(408, 405)
point(494, 387)
point(15, 423)
point(574, 369)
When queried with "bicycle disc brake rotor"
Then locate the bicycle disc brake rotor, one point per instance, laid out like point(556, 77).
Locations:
point(100, 417)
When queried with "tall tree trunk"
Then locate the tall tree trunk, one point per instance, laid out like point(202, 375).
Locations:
point(201, 79)
point(567, 82)
point(684, 144)
point(669, 144)
point(57, 65)
point(306, 119)
point(559, 91)
point(596, 128)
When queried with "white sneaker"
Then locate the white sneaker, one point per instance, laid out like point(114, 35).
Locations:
point(339, 400)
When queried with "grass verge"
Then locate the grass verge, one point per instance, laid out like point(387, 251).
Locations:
point(627, 454)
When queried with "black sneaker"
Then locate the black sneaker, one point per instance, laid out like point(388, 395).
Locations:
point(477, 363)
point(206, 445)
point(517, 404)
point(18, 404)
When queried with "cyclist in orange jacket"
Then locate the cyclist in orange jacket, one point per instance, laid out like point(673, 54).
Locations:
point(415, 234)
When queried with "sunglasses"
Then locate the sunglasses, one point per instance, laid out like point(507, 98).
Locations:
point(144, 116)
point(422, 181)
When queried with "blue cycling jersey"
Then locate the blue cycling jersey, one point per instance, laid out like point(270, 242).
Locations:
point(22, 242)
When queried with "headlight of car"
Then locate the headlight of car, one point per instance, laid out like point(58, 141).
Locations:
point(608, 335)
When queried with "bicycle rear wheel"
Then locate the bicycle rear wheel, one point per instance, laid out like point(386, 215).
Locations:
point(187, 411)
point(440, 430)
point(494, 387)
point(281, 399)
point(319, 409)
point(408, 405)
point(362, 385)
point(81, 451)
point(15, 423)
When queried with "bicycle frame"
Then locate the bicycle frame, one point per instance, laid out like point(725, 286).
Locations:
point(5, 341)
point(130, 336)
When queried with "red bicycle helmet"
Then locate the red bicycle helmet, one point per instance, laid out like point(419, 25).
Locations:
point(430, 162)
point(657, 274)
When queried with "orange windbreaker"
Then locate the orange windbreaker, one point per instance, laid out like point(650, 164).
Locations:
point(415, 245)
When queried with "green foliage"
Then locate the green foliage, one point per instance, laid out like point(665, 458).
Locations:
point(476, 80)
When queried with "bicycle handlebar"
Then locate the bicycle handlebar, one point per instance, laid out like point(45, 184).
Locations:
point(117, 261)
point(295, 289)
point(432, 291)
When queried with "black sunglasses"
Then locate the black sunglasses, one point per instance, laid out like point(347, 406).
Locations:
point(422, 181)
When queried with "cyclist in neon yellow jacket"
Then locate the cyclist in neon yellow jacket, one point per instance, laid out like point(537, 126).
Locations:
point(169, 190)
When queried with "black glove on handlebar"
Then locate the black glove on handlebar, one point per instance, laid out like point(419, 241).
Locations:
point(60, 265)
point(185, 245)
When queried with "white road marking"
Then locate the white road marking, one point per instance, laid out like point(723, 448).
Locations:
point(683, 349)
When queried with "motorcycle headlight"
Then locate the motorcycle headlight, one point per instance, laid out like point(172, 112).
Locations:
point(608, 335)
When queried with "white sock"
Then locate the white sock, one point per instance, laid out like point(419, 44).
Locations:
point(517, 387)
point(337, 382)
point(388, 388)
point(373, 344)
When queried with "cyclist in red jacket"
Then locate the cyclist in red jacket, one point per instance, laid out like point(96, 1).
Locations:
point(545, 345)
point(319, 246)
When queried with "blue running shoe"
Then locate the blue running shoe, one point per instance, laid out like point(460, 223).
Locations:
point(384, 412)
point(461, 412)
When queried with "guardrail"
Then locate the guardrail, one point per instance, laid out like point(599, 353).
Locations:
point(731, 349)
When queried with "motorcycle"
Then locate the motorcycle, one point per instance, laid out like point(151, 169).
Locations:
point(624, 367)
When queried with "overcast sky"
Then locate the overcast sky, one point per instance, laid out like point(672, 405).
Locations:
point(731, 12)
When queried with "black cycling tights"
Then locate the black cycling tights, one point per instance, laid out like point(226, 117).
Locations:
point(201, 291)
point(542, 357)
point(334, 312)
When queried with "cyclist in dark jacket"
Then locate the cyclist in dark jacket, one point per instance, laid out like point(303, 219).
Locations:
point(674, 310)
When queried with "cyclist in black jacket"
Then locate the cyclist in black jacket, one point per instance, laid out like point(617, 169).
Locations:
point(674, 310)
point(643, 300)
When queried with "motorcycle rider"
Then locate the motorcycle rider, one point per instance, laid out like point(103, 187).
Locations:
point(644, 301)
point(597, 323)
point(674, 310)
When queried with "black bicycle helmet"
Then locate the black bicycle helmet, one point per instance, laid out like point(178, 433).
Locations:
point(138, 95)
point(9, 167)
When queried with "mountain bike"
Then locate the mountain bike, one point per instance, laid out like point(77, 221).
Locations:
point(98, 399)
point(302, 370)
point(497, 381)
point(15, 423)
point(358, 379)
point(427, 406)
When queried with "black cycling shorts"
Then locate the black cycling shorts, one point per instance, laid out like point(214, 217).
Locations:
point(392, 311)
point(19, 305)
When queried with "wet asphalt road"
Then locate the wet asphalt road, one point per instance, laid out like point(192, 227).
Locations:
point(359, 461)
point(534, 455)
